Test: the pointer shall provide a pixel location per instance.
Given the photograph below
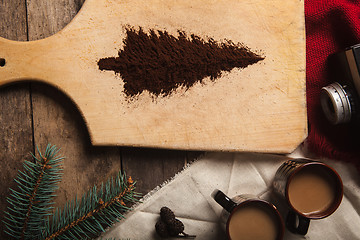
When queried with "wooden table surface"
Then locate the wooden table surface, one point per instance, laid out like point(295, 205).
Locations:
point(34, 114)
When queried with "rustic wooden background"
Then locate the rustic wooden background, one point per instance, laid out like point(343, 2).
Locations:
point(34, 114)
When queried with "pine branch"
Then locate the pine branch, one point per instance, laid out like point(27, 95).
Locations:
point(24, 218)
point(30, 214)
point(97, 210)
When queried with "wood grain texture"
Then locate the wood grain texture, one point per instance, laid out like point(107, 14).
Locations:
point(15, 116)
point(57, 120)
point(140, 163)
point(47, 18)
point(261, 108)
point(16, 139)
point(13, 22)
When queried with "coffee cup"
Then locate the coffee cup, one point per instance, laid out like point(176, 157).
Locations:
point(311, 189)
point(248, 217)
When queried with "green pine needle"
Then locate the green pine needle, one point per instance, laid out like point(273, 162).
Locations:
point(32, 202)
point(87, 217)
point(30, 214)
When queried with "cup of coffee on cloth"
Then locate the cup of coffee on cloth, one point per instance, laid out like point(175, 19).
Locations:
point(247, 217)
point(311, 189)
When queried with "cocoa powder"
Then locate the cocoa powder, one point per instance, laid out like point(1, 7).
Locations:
point(159, 62)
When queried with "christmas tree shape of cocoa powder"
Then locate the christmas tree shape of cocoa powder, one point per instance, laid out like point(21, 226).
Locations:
point(159, 62)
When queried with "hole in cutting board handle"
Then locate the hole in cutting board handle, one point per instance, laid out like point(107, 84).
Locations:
point(2, 62)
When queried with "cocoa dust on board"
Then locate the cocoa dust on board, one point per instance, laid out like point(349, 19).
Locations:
point(159, 62)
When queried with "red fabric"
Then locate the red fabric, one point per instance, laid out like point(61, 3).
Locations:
point(331, 26)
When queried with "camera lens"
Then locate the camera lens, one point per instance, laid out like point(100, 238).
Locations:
point(337, 103)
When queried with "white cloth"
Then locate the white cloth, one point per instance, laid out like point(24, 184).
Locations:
point(188, 194)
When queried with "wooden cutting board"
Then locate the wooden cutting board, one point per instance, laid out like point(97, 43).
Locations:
point(260, 108)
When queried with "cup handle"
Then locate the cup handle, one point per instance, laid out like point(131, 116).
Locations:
point(296, 223)
point(224, 201)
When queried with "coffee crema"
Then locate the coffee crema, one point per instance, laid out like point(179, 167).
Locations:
point(312, 190)
point(253, 221)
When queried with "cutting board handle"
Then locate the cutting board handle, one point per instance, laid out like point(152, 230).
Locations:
point(18, 61)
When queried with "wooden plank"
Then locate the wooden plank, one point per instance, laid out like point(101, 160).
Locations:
point(13, 20)
point(15, 114)
point(151, 167)
point(57, 121)
point(48, 17)
point(56, 118)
